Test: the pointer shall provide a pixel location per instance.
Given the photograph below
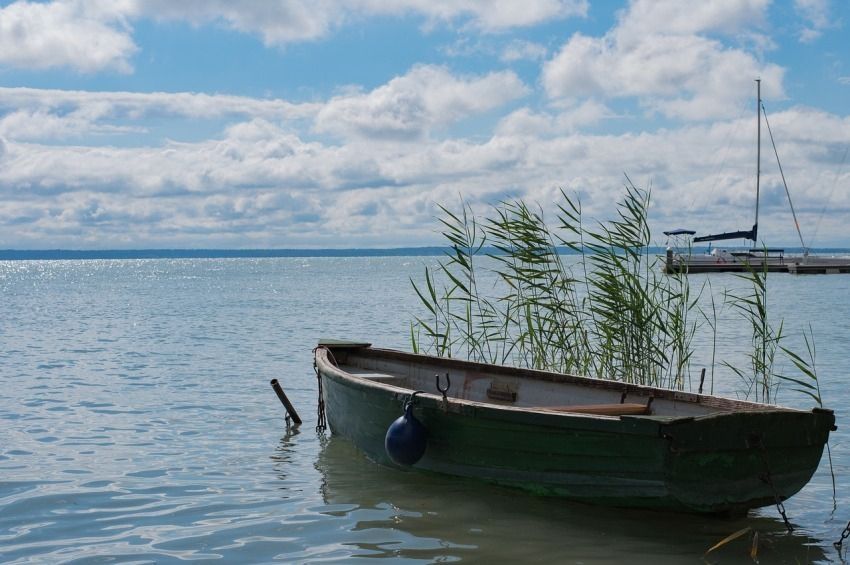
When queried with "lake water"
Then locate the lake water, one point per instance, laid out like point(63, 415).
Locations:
point(137, 424)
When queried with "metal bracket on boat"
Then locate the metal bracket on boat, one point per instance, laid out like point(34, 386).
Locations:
point(501, 391)
point(412, 400)
point(442, 390)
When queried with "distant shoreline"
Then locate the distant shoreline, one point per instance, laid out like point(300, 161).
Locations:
point(82, 254)
point(70, 254)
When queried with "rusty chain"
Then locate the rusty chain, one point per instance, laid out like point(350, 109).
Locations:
point(321, 422)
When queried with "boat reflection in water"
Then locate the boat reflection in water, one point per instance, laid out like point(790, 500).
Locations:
point(389, 513)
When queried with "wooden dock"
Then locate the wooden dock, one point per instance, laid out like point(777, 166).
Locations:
point(818, 266)
point(771, 260)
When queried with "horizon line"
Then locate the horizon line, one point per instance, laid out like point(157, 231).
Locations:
point(235, 253)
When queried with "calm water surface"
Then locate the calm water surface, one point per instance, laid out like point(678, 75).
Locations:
point(137, 425)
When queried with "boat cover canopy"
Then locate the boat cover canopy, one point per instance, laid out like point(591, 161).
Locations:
point(680, 231)
point(751, 235)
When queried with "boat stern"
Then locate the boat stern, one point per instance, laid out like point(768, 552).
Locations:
point(733, 462)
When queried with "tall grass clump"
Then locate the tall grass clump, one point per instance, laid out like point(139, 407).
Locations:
point(506, 293)
point(611, 313)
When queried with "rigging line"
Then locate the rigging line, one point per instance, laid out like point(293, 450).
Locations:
point(831, 191)
point(787, 192)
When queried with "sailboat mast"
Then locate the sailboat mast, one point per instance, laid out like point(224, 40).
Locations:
point(753, 233)
point(758, 157)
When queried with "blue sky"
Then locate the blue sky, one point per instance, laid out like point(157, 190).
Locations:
point(134, 124)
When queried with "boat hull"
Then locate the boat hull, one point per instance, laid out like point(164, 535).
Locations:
point(712, 464)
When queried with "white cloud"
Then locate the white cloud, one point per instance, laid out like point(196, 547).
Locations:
point(815, 14)
point(259, 184)
point(518, 50)
point(647, 17)
point(264, 178)
point(96, 35)
point(137, 104)
point(34, 114)
point(209, 166)
point(407, 107)
point(492, 15)
point(34, 125)
point(85, 36)
point(275, 22)
point(285, 22)
point(657, 54)
point(524, 122)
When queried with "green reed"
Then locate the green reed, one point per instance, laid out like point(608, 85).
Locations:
point(503, 294)
point(612, 313)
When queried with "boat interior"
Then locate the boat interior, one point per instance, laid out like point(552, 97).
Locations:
point(523, 388)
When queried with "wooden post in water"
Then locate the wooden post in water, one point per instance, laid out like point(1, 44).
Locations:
point(290, 409)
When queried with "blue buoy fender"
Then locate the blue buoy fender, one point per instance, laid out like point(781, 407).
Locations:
point(406, 438)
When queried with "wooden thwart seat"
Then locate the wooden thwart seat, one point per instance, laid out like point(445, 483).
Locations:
point(620, 409)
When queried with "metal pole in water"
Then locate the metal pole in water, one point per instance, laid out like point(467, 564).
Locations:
point(290, 409)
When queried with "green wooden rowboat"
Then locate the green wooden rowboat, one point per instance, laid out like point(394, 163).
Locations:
point(585, 439)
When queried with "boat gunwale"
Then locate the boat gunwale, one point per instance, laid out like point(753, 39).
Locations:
point(454, 404)
point(722, 404)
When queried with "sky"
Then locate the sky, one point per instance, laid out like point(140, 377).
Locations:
point(128, 124)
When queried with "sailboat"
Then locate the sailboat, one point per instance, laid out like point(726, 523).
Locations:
point(679, 257)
